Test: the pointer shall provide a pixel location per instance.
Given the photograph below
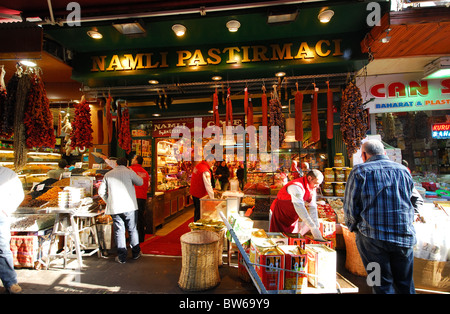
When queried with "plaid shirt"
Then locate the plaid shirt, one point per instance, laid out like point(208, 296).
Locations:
point(378, 201)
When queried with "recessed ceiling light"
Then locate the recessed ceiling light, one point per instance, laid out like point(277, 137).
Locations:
point(156, 115)
point(95, 34)
point(153, 82)
point(130, 28)
point(282, 16)
point(28, 63)
point(179, 29)
point(216, 78)
point(233, 26)
point(325, 16)
point(280, 74)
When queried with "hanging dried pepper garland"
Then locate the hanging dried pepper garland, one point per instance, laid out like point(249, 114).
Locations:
point(81, 136)
point(8, 108)
point(276, 117)
point(124, 132)
point(20, 155)
point(3, 96)
point(216, 109)
point(109, 120)
point(353, 118)
point(38, 118)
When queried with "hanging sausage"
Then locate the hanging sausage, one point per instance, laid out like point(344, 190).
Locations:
point(298, 115)
point(250, 112)
point(315, 127)
point(276, 117)
point(264, 107)
point(229, 110)
point(216, 109)
point(109, 121)
point(330, 113)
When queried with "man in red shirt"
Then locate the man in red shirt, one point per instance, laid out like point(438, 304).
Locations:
point(141, 194)
point(201, 184)
point(289, 206)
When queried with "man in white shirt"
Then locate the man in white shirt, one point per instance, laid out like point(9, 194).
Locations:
point(11, 195)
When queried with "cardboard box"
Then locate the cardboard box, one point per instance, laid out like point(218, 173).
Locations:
point(273, 279)
point(296, 260)
point(259, 244)
point(278, 238)
point(310, 240)
point(431, 275)
point(321, 266)
point(327, 228)
point(301, 242)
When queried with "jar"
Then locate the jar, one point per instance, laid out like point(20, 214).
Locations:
point(339, 189)
point(329, 175)
point(347, 173)
point(339, 160)
point(339, 174)
point(328, 189)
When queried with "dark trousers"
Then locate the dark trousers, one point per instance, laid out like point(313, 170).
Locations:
point(140, 222)
point(196, 201)
point(395, 265)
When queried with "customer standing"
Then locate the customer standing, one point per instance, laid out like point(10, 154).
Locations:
point(379, 207)
point(141, 194)
point(290, 205)
point(11, 195)
point(117, 190)
point(223, 174)
point(201, 184)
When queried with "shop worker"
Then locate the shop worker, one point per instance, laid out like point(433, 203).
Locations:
point(117, 190)
point(379, 203)
point(141, 194)
point(56, 173)
point(11, 194)
point(290, 206)
point(201, 183)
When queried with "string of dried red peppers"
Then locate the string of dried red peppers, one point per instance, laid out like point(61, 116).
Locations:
point(81, 135)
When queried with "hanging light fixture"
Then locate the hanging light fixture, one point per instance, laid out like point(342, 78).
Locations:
point(233, 26)
point(179, 29)
point(95, 34)
point(325, 16)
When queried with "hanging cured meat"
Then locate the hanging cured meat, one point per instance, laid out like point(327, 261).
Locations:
point(109, 121)
point(100, 126)
point(264, 107)
point(315, 127)
point(81, 136)
point(250, 112)
point(353, 118)
point(298, 115)
point(246, 101)
point(330, 113)
point(38, 118)
point(124, 132)
point(216, 109)
point(229, 110)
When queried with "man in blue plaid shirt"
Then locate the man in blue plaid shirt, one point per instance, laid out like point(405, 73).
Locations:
point(379, 205)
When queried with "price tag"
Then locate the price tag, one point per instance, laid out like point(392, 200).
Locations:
point(40, 187)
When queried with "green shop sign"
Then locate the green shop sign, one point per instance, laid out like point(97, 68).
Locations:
point(252, 58)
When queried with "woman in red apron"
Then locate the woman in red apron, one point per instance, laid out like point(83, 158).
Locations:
point(289, 206)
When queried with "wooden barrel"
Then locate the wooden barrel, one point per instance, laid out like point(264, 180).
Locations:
point(353, 261)
point(199, 270)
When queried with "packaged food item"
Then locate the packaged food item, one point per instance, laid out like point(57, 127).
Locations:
point(270, 265)
point(329, 175)
point(328, 189)
point(339, 160)
point(339, 174)
point(327, 228)
point(321, 266)
point(295, 265)
point(347, 173)
point(339, 189)
point(278, 238)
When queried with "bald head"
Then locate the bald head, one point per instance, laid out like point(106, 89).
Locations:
point(372, 148)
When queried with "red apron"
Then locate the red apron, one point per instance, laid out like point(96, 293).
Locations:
point(284, 217)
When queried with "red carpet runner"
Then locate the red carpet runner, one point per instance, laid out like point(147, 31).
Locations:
point(168, 244)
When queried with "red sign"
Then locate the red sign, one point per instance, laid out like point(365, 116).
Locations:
point(441, 127)
point(163, 128)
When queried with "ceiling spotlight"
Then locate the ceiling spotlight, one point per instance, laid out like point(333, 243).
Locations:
point(154, 82)
point(325, 16)
point(216, 78)
point(28, 63)
point(156, 115)
point(179, 29)
point(233, 26)
point(95, 34)
point(280, 74)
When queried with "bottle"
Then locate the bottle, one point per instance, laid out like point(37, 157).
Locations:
point(339, 160)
